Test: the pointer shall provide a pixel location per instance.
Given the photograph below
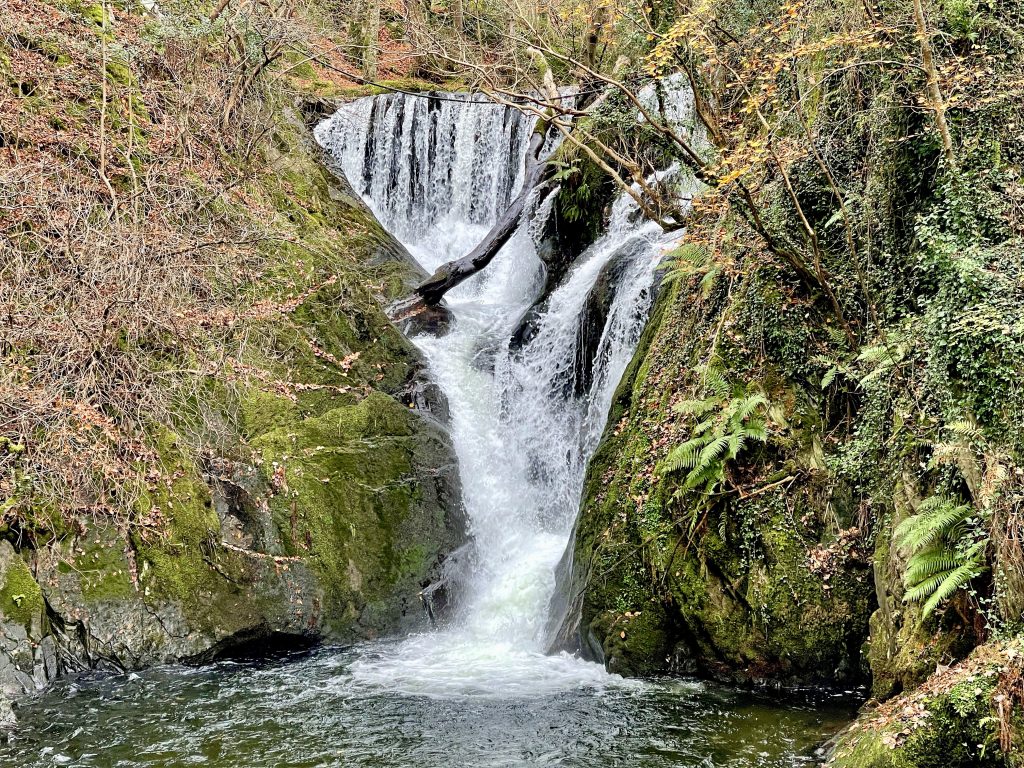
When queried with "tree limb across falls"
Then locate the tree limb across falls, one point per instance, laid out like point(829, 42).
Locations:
point(536, 172)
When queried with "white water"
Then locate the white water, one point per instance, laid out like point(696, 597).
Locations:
point(437, 174)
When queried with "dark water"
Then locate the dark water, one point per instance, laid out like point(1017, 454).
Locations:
point(309, 712)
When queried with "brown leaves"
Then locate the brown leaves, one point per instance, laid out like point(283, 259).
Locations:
point(117, 309)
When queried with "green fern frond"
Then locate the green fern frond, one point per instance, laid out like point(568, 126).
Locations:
point(836, 335)
point(713, 451)
point(955, 581)
point(926, 564)
point(756, 431)
point(919, 592)
point(750, 404)
point(707, 283)
point(875, 355)
point(964, 428)
point(829, 377)
point(691, 253)
point(935, 518)
point(945, 544)
point(703, 427)
point(705, 478)
point(736, 442)
point(682, 456)
point(715, 381)
point(728, 424)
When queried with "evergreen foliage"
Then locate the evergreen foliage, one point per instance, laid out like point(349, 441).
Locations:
point(946, 546)
point(725, 424)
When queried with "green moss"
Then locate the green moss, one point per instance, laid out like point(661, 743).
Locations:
point(868, 749)
point(303, 69)
point(957, 729)
point(102, 569)
point(635, 641)
point(92, 12)
point(389, 86)
point(343, 490)
point(119, 72)
point(187, 566)
point(21, 598)
point(261, 411)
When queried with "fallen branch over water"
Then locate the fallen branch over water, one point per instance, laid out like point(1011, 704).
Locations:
point(537, 171)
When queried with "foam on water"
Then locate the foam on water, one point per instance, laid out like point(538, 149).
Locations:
point(437, 174)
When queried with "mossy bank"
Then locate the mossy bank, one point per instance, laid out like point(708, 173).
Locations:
point(812, 471)
point(298, 488)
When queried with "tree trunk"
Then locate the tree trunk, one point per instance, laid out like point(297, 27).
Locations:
point(452, 273)
point(371, 39)
point(938, 104)
point(416, 34)
point(594, 36)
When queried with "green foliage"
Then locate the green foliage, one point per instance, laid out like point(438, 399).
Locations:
point(725, 424)
point(975, 325)
point(946, 545)
point(691, 260)
point(962, 18)
point(880, 359)
point(574, 207)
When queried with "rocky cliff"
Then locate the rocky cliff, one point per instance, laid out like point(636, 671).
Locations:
point(812, 470)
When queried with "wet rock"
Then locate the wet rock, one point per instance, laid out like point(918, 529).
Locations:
point(425, 396)
point(254, 644)
point(595, 316)
point(527, 329)
point(413, 316)
point(443, 596)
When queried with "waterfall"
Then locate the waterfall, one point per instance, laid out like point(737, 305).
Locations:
point(525, 418)
point(436, 172)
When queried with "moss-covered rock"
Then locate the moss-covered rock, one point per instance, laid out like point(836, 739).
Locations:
point(21, 599)
point(27, 651)
point(962, 717)
point(357, 493)
point(770, 581)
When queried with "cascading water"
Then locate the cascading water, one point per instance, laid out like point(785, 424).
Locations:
point(524, 420)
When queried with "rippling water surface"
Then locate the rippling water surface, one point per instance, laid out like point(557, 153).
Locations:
point(317, 711)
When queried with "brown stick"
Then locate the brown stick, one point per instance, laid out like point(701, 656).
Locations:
point(219, 9)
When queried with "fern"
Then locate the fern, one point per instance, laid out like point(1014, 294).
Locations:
point(689, 260)
point(715, 380)
point(945, 545)
point(934, 519)
point(829, 377)
point(966, 429)
point(882, 358)
point(727, 424)
point(696, 407)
